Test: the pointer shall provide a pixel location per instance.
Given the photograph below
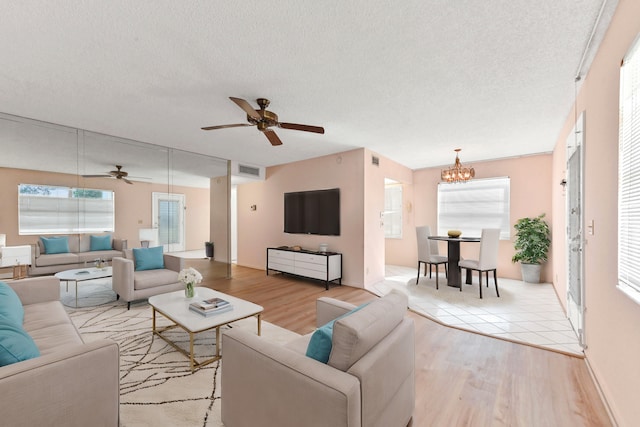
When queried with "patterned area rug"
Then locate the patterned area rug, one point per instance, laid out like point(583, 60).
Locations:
point(157, 387)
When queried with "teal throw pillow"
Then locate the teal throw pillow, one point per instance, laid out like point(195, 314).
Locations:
point(321, 341)
point(10, 305)
point(55, 245)
point(148, 258)
point(100, 243)
point(15, 344)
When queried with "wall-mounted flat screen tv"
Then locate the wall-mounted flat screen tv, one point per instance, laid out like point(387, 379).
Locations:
point(312, 212)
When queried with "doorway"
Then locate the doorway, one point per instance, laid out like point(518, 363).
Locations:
point(575, 228)
point(168, 218)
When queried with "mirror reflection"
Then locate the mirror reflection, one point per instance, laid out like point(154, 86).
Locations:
point(162, 196)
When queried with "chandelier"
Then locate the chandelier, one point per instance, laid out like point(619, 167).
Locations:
point(457, 172)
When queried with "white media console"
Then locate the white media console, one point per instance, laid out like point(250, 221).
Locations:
point(325, 266)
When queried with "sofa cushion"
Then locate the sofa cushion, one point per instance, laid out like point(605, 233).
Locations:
point(148, 258)
point(320, 343)
point(152, 278)
point(44, 314)
point(10, 305)
point(15, 344)
point(53, 338)
point(55, 245)
point(355, 335)
point(100, 243)
point(56, 259)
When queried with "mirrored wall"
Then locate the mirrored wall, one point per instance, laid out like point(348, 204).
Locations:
point(180, 199)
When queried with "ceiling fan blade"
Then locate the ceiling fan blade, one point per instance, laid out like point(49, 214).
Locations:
point(225, 126)
point(272, 137)
point(96, 176)
point(127, 181)
point(306, 128)
point(246, 107)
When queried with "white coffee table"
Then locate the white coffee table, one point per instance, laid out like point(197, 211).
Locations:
point(175, 307)
point(83, 274)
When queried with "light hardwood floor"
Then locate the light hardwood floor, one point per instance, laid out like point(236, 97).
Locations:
point(462, 379)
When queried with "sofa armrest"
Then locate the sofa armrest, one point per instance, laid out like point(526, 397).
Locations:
point(37, 289)
point(77, 386)
point(328, 309)
point(269, 385)
point(119, 244)
point(173, 263)
point(122, 277)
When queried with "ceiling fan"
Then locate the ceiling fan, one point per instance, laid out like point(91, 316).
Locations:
point(117, 174)
point(264, 120)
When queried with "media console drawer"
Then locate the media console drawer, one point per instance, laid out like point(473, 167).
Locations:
point(322, 266)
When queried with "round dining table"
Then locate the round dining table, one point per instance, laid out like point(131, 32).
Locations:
point(453, 257)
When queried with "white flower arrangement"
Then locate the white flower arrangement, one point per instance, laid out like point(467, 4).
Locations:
point(190, 275)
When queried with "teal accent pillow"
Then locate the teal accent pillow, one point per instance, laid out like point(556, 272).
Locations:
point(15, 344)
point(321, 341)
point(148, 258)
point(10, 305)
point(100, 243)
point(55, 245)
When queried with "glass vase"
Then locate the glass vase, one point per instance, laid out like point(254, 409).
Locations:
point(189, 291)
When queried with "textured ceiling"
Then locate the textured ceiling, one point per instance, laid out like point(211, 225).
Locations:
point(410, 80)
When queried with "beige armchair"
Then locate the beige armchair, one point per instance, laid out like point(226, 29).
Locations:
point(132, 285)
point(369, 379)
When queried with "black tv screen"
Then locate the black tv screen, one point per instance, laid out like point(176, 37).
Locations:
point(312, 212)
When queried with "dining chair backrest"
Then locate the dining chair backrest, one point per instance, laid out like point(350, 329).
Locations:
point(489, 241)
point(425, 246)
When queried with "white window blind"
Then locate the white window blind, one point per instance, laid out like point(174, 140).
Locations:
point(473, 205)
point(629, 174)
point(393, 210)
point(44, 209)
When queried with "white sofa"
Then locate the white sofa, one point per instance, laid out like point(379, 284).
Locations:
point(79, 255)
point(71, 383)
point(369, 379)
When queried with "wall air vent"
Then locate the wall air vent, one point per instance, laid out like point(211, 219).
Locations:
point(375, 160)
point(242, 172)
point(249, 170)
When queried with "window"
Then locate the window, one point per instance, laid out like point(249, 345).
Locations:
point(474, 205)
point(629, 175)
point(392, 209)
point(44, 209)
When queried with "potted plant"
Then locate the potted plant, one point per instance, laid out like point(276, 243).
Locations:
point(532, 245)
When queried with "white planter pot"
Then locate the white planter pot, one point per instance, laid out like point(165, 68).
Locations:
point(530, 272)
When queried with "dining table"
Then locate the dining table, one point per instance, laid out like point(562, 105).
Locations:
point(453, 257)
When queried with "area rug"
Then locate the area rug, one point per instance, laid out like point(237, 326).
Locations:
point(157, 387)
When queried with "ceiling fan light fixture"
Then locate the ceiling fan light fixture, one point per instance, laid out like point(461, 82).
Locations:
point(457, 172)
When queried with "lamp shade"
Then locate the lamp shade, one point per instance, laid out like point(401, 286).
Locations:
point(149, 236)
point(3, 240)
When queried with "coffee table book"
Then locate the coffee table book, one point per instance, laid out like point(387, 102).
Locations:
point(212, 311)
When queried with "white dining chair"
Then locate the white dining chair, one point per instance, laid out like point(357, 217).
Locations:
point(428, 253)
point(487, 259)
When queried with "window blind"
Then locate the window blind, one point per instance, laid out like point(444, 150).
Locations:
point(63, 210)
point(393, 211)
point(629, 173)
point(474, 205)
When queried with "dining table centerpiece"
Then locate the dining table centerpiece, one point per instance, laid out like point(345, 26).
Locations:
point(190, 277)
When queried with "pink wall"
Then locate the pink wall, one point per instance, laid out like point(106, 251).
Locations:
point(263, 228)
point(133, 205)
point(530, 196)
point(612, 318)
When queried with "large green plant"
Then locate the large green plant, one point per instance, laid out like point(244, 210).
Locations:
point(532, 240)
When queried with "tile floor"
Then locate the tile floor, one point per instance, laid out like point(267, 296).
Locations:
point(525, 312)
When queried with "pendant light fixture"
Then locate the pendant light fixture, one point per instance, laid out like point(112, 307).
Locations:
point(457, 172)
